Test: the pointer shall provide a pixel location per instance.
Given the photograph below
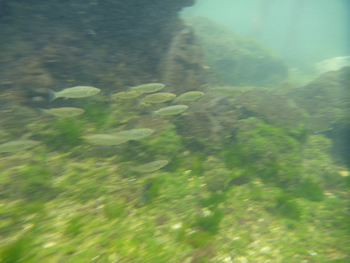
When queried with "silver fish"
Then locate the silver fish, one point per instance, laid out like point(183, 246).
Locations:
point(189, 96)
point(149, 167)
point(148, 88)
point(105, 139)
point(170, 110)
point(62, 112)
point(74, 92)
point(158, 98)
point(15, 146)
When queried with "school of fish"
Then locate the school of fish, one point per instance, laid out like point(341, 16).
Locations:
point(113, 138)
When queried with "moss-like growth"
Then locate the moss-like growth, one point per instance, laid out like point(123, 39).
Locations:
point(113, 210)
point(96, 111)
point(286, 206)
point(74, 225)
point(63, 133)
point(35, 183)
point(213, 200)
point(310, 190)
point(18, 251)
point(210, 223)
point(194, 238)
point(268, 151)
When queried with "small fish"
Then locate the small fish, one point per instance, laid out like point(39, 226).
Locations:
point(189, 96)
point(105, 139)
point(15, 146)
point(148, 88)
point(240, 180)
point(148, 167)
point(135, 134)
point(74, 92)
point(126, 95)
point(170, 110)
point(144, 195)
point(62, 112)
point(158, 98)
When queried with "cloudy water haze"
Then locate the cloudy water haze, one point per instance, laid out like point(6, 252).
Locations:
point(174, 131)
point(299, 30)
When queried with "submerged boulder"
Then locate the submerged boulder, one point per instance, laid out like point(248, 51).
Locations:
point(107, 44)
point(237, 60)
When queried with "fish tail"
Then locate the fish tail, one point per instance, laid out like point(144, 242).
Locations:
point(41, 111)
point(52, 95)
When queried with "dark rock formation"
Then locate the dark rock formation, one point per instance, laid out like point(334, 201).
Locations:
point(108, 44)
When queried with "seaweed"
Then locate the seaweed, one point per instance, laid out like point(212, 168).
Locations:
point(286, 206)
point(210, 223)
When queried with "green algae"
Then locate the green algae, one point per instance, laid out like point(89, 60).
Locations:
point(18, 251)
point(210, 223)
point(113, 210)
point(310, 190)
point(286, 206)
point(62, 133)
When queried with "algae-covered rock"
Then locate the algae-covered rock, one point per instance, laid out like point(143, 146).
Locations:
point(275, 155)
point(236, 59)
point(107, 44)
point(273, 108)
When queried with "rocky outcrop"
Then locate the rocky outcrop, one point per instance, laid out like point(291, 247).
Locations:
point(108, 44)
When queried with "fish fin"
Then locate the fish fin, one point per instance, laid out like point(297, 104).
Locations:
point(52, 95)
point(153, 114)
point(65, 98)
point(41, 111)
point(110, 96)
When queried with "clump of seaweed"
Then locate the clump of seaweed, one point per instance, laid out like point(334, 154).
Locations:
point(62, 133)
point(286, 206)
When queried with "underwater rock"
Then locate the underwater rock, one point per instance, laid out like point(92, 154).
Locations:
point(183, 65)
point(211, 120)
point(237, 60)
point(109, 44)
point(273, 108)
point(332, 64)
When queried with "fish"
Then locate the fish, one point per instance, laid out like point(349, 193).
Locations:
point(158, 98)
point(135, 134)
point(240, 180)
point(148, 88)
point(189, 96)
point(170, 110)
point(144, 195)
point(105, 139)
point(15, 146)
point(74, 92)
point(148, 167)
point(62, 112)
point(126, 95)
